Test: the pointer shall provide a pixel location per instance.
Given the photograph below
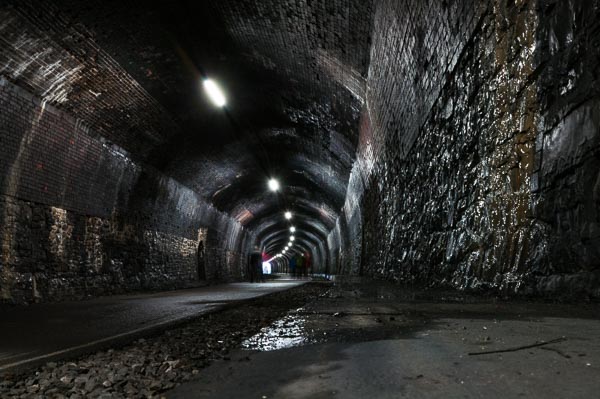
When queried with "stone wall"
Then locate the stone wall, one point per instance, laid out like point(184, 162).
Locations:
point(479, 148)
point(79, 218)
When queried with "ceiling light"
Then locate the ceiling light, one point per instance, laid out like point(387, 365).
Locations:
point(273, 185)
point(288, 215)
point(214, 92)
point(292, 229)
point(292, 238)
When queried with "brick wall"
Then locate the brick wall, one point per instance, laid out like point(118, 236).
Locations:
point(79, 217)
point(58, 60)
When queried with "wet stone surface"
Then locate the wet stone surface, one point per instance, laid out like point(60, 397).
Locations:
point(148, 367)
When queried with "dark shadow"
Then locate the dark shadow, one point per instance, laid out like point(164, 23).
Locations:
point(201, 261)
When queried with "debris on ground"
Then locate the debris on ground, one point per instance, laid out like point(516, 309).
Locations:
point(150, 366)
point(518, 348)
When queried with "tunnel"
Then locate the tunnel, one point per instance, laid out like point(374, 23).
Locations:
point(364, 180)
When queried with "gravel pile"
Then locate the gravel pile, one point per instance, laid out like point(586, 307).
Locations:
point(149, 367)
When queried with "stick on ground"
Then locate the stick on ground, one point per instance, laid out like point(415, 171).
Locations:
point(518, 348)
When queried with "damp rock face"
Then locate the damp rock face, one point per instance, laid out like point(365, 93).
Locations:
point(483, 176)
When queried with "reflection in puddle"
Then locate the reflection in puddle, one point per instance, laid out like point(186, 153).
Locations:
point(283, 333)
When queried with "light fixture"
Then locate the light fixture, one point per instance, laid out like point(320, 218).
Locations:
point(292, 229)
point(292, 238)
point(288, 215)
point(214, 92)
point(273, 185)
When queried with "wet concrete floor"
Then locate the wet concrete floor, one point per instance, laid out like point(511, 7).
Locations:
point(380, 341)
point(39, 333)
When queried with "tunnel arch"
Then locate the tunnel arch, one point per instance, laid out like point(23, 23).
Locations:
point(372, 130)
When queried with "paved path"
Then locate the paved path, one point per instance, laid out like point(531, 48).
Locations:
point(353, 344)
point(39, 333)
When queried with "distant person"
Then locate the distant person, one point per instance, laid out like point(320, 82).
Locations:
point(299, 265)
point(293, 266)
point(254, 264)
point(260, 272)
point(307, 265)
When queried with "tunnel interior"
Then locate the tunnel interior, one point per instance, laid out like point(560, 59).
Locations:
point(442, 143)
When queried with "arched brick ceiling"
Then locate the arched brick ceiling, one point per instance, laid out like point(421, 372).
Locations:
point(293, 73)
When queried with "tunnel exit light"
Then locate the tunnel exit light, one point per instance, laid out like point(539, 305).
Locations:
point(266, 267)
point(214, 93)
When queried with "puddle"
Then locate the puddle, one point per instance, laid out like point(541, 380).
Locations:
point(287, 332)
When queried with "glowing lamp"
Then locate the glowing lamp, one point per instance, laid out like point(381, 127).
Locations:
point(273, 185)
point(214, 93)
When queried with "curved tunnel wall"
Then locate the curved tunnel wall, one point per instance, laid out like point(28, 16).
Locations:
point(479, 145)
point(79, 217)
point(440, 143)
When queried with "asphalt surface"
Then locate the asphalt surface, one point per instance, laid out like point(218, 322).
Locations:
point(368, 342)
point(39, 333)
point(431, 367)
